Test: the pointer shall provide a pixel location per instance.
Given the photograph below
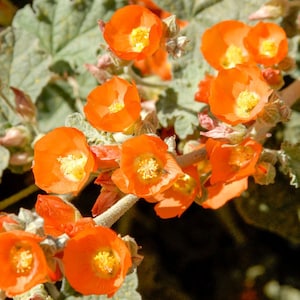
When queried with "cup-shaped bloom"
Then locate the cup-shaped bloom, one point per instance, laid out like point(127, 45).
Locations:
point(232, 162)
point(96, 261)
point(239, 94)
point(23, 263)
point(146, 167)
point(60, 216)
point(113, 106)
point(133, 32)
point(178, 198)
point(267, 43)
point(220, 193)
point(63, 161)
point(222, 44)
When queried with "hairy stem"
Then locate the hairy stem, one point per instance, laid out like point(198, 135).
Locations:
point(114, 213)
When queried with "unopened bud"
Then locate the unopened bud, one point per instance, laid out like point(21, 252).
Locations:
point(20, 159)
point(271, 10)
point(273, 77)
point(265, 173)
point(15, 137)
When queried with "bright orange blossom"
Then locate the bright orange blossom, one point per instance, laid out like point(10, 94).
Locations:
point(96, 261)
point(113, 106)
point(63, 161)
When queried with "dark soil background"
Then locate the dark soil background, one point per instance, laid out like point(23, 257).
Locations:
point(205, 254)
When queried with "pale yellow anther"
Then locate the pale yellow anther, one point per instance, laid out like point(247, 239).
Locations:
point(148, 168)
point(139, 38)
point(21, 259)
point(233, 56)
point(240, 156)
point(106, 263)
point(115, 107)
point(185, 184)
point(72, 166)
point(245, 102)
point(268, 48)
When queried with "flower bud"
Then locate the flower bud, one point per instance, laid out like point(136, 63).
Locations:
point(273, 77)
point(20, 159)
point(271, 10)
point(15, 137)
point(265, 173)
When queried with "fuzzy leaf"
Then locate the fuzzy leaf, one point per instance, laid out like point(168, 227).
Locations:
point(54, 104)
point(4, 160)
point(126, 291)
point(273, 207)
point(290, 162)
point(23, 66)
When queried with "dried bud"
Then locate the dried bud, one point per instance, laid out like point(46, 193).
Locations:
point(287, 64)
point(20, 159)
point(172, 28)
point(24, 105)
point(176, 46)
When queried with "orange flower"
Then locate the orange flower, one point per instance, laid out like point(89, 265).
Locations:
point(133, 32)
point(96, 261)
point(239, 94)
point(229, 50)
point(107, 156)
point(267, 42)
point(220, 193)
point(156, 64)
point(232, 162)
point(176, 199)
point(202, 95)
point(146, 167)
point(60, 216)
point(108, 196)
point(113, 106)
point(63, 161)
point(23, 263)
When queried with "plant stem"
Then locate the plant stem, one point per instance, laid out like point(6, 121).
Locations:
point(18, 196)
point(291, 93)
point(114, 213)
point(191, 157)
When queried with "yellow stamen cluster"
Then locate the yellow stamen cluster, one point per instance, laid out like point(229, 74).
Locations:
point(106, 263)
point(139, 38)
point(245, 102)
point(21, 258)
point(233, 56)
point(72, 166)
point(148, 168)
point(268, 48)
point(185, 184)
point(115, 107)
point(240, 156)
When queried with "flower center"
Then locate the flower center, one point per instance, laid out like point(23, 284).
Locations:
point(240, 156)
point(233, 56)
point(72, 166)
point(139, 38)
point(106, 263)
point(268, 48)
point(185, 184)
point(246, 101)
point(115, 107)
point(148, 168)
point(21, 259)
